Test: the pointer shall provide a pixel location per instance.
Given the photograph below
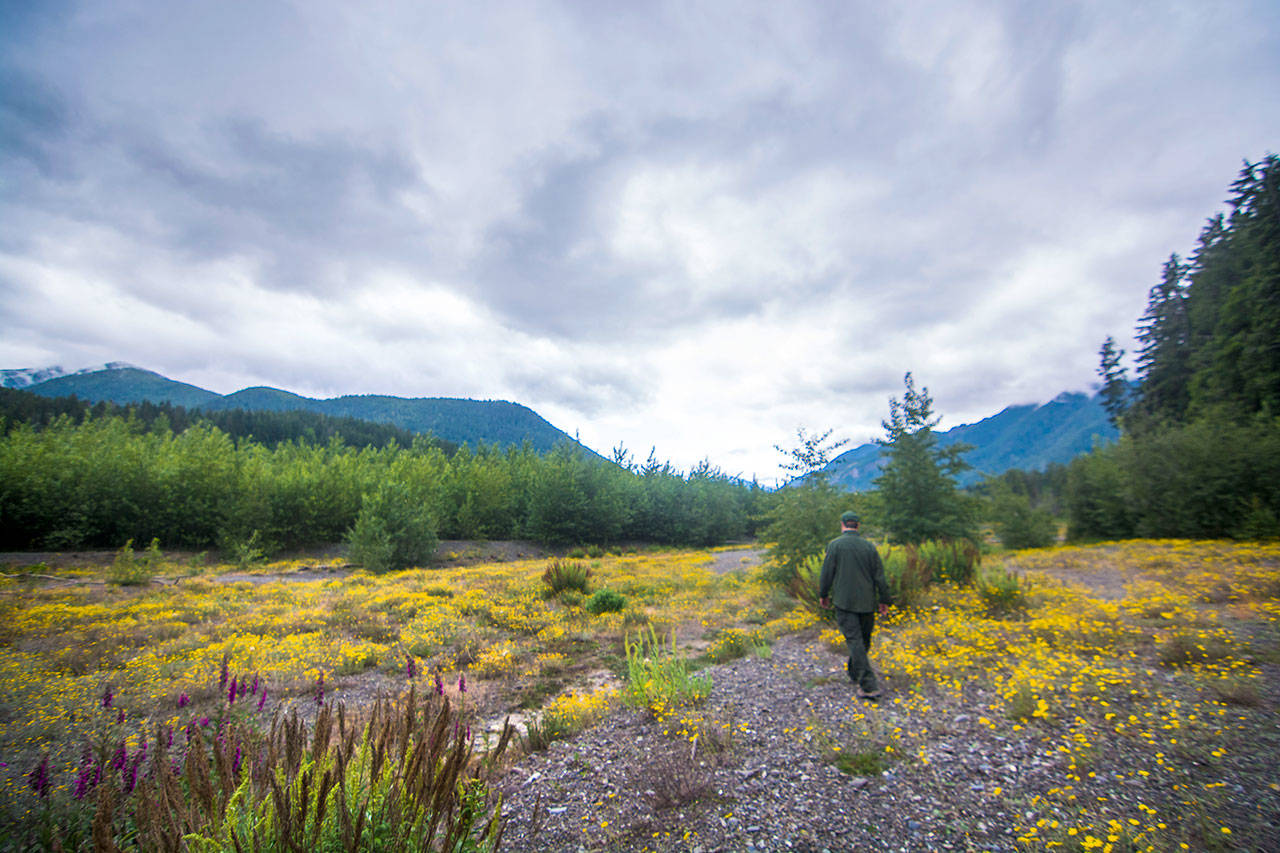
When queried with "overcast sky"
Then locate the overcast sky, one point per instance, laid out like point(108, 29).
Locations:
point(689, 226)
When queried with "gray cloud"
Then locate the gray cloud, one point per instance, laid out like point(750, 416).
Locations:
point(651, 220)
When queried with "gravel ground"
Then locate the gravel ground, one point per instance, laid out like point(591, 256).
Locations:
point(625, 785)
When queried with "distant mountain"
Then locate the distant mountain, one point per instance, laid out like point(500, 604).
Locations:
point(25, 377)
point(456, 420)
point(1030, 437)
point(125, 385)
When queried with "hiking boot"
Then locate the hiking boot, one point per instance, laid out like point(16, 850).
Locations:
point(870, 694)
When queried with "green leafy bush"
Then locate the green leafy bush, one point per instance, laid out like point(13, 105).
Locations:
point(911, 569)
point(393, 530)
point(606, 601)
point(954, 560)
point(247, 553)
point(804, 518)
point(1019, 525)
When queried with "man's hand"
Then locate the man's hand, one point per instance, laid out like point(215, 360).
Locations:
point(884, 608)
point(825, 602)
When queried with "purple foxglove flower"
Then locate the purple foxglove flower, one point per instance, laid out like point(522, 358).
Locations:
point(120, 716)
point(439, 685)
point(320, 690)
point(462, 682)
point(410, 667)
point(120, 758)
point(86, 779)
point(184, 700)
point(262, 700)
point(107, 697)
point(254, 687)
point(235, 763)
point(38, 778)
point(231, 692)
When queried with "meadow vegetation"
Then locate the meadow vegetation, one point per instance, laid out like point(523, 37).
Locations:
point(1138, 670)
point(205, 655)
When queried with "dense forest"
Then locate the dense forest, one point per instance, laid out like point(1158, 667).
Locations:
point(270, 428)
point(1199, 454)
point(77, 477)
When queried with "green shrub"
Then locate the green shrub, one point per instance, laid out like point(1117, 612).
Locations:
point(733, 643)
point(803, 586)
point(393, 530)
point(247, 553)
point(129, 569)
point(908, 577)
point(1002, 592)
point(606, 601)
point(954, 560)
point(804, 518)
point(562, 575)
point(1020, 526)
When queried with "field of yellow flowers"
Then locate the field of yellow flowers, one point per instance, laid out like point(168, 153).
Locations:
point(168, 651)
point(1142, 676)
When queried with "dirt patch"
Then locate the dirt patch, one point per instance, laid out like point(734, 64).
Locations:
point(737, 559)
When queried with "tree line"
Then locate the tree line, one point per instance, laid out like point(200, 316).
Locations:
point(99, 481)
point(269, 428)
point(1199, 453)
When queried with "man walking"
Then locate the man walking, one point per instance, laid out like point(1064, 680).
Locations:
point(853, 579)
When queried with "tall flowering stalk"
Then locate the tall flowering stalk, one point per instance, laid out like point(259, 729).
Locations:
point(38, 778)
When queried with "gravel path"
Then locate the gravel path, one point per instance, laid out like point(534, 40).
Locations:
point(631, 783)
point(624, 785)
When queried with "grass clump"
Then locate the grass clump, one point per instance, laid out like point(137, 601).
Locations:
point(565, 575)
point(1185, 648)
point(658, 676)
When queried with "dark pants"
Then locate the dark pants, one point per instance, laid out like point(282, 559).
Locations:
point(857, 628)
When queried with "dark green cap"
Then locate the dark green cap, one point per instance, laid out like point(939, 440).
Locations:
point(849, 517)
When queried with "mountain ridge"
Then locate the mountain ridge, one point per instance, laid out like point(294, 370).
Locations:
point(454, 419)
point(1029, 436)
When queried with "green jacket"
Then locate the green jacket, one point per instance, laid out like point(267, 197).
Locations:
point(853, 575)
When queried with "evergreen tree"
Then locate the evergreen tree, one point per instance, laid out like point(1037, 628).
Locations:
point(918, 495)
point(1115, 384)
point(806, 512)
point(1164, 335)
point(1235, 300)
